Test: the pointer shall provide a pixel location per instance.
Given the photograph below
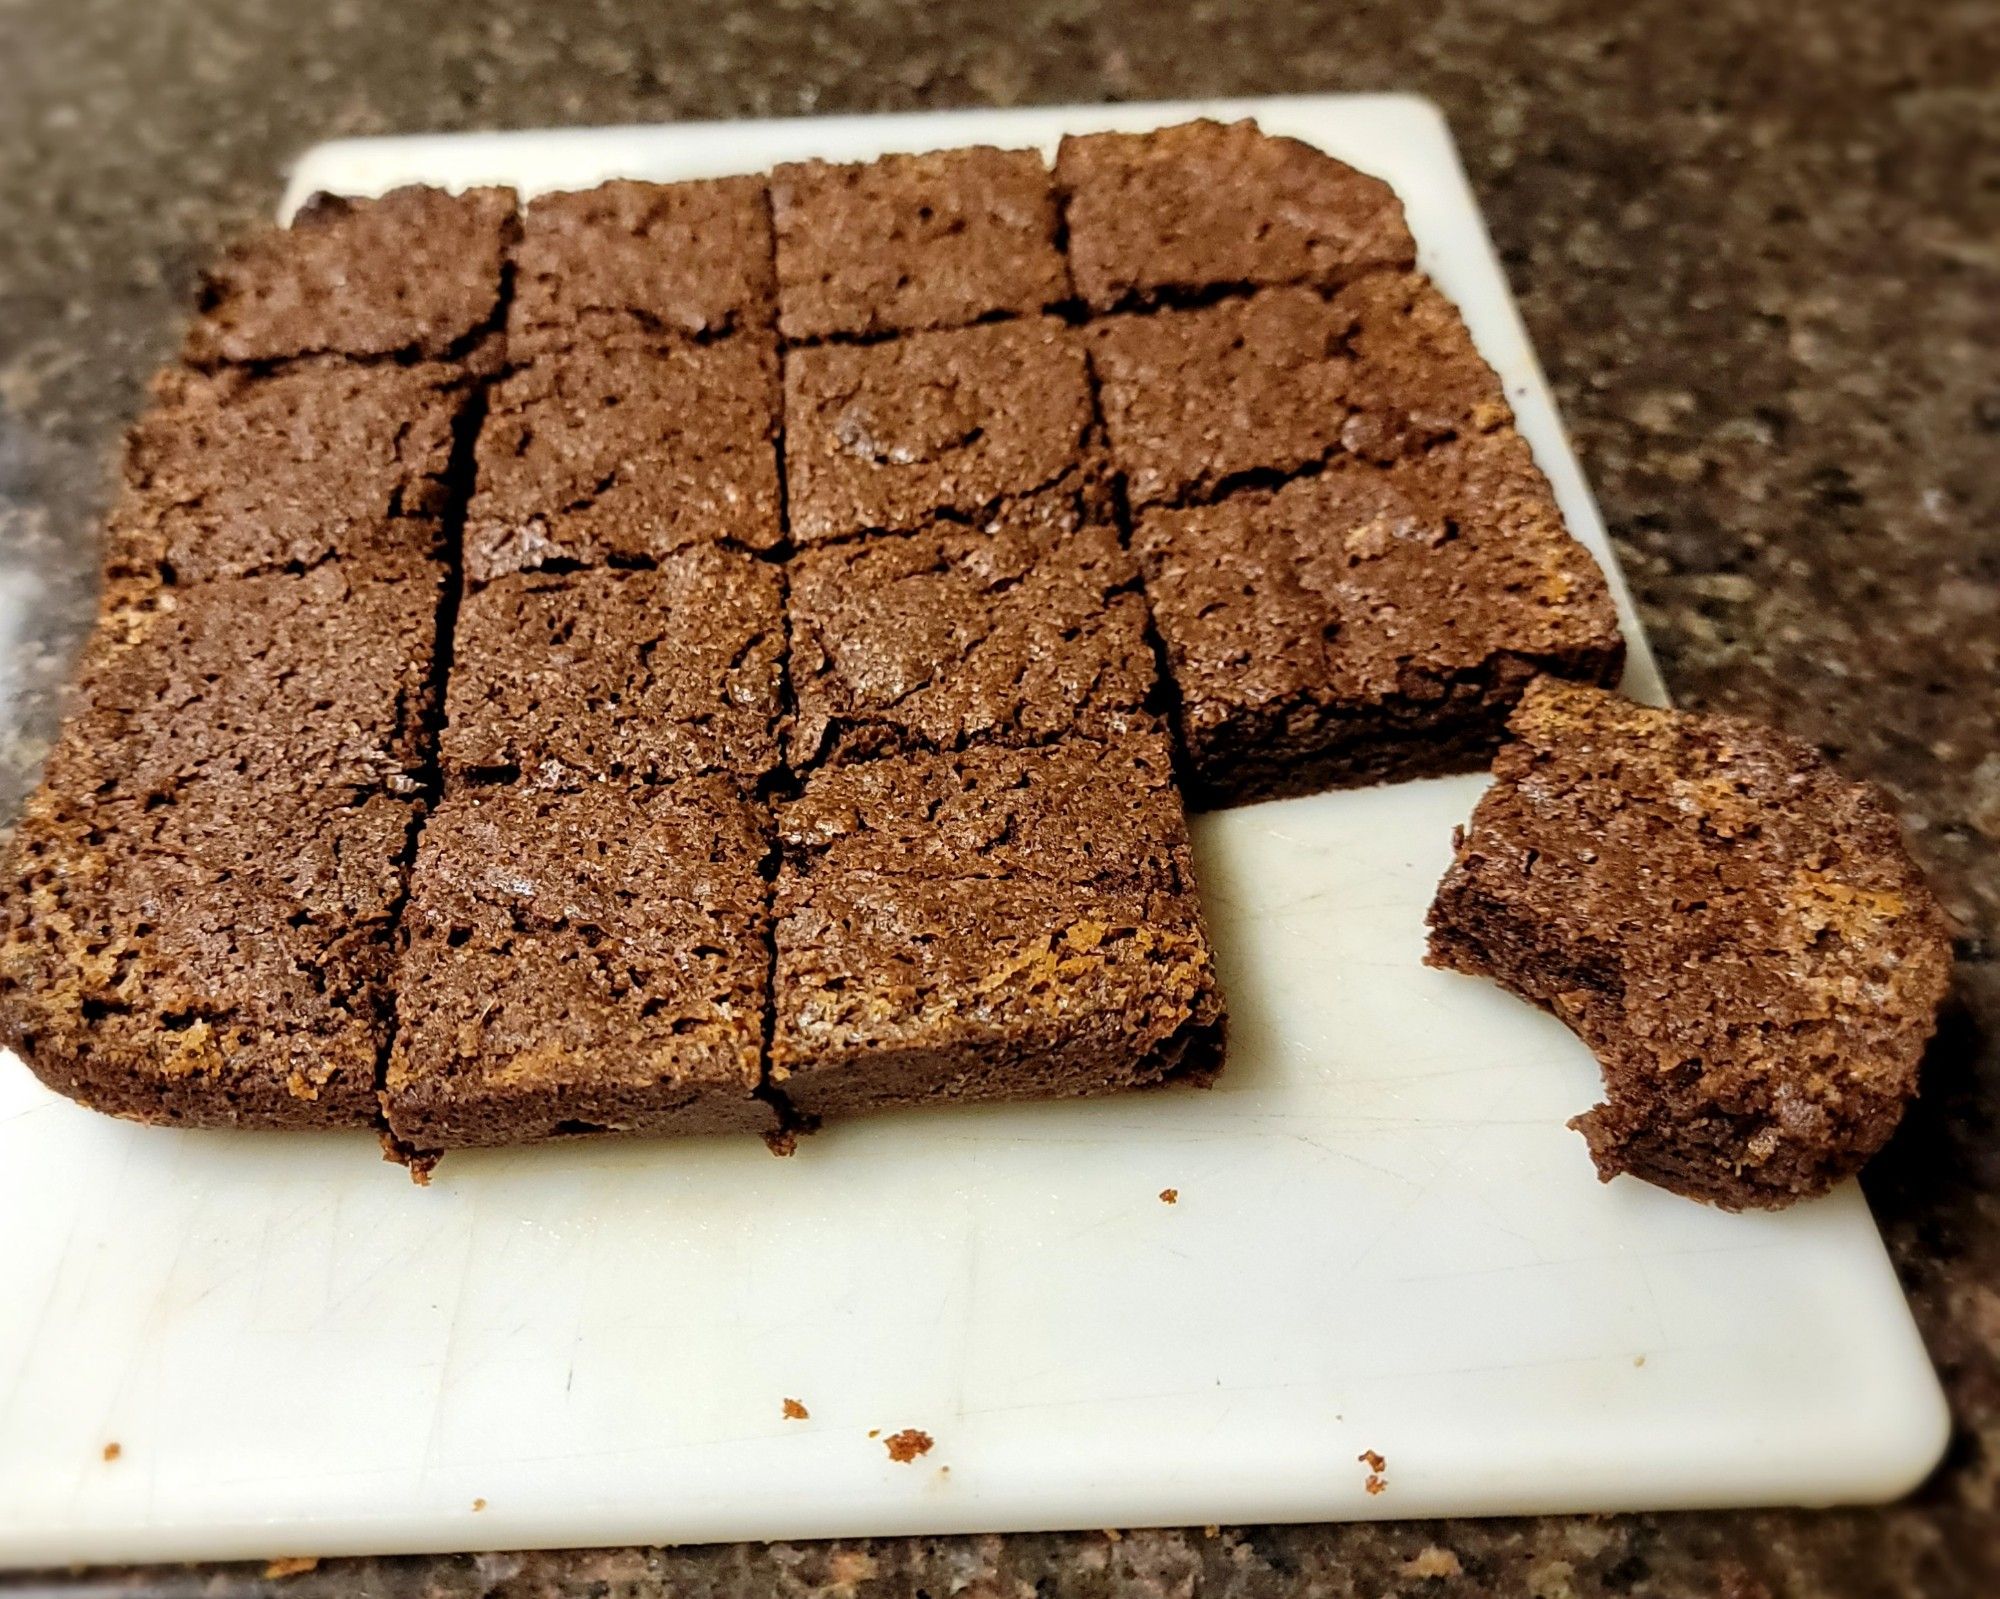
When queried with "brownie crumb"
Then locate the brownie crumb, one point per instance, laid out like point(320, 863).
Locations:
point(113, 1450)
point(794, 1411)
point(908, 1444)
point(1736, 931)
point(289, 1566)
point(1170, 1196)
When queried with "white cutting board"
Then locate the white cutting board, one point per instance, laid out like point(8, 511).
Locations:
point(1385, 1239)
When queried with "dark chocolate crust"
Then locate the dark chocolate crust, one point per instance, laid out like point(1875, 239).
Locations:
point(888, 437)
point(416, 274)
point(1208, 206)
point(645, 262)
point(992, 924)
point(911, 242)
point(1371, 623)
point(594, 961)
point(1737, 932)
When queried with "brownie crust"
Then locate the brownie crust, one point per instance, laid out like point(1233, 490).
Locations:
point(585, 962)
point(1018, 631)
point(1207, 206)
point(415, 274)
point(912, 242)
point(1371, 623)
point(645, 262)
point(1736, 931)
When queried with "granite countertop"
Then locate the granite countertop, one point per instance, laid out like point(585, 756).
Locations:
point(1758, 246)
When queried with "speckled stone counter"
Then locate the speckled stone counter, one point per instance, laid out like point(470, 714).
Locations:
point(1758, 245)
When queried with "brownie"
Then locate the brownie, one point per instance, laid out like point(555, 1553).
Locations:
point(416, 274)
point(595, 961)
point(642, 261)
point(891, 436)
point(914, 241)
point(635, 675)
point(1206, 206)
point(239, 473)
point(221, 960)
point(989, 924)
point(1370, 623)
point(605, 455)
point(319, 680)
point(1416, 376)
point(1016, 631)
point(1195, 400)
point(1735, 930)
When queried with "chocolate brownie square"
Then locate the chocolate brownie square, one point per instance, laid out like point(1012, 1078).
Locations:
point(1207, 206)
point(642, 261)
point(621, 455)
point(989, 924)
point(220, 960)
point(1196, 399)
point(1015, 632)
point(1371, 623)
point(415, 274)
point(284, 682)
point(240, 473)
point(567, 677)
point(1416, 376)
point(1736, 931)
point(914, 241)
point(891, 436)
point(594, 961)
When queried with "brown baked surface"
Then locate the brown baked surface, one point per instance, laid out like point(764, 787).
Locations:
point(1208, 206)
point(601, 454)
point(417, 273)
point(652, 262)
point(888, 437)
point(991, 924)
point(1370, 623)
point(239, 473)
point(561, 678)
point(1737, 932)
point(1017, 631)
point(594, 961)
point(914, 241)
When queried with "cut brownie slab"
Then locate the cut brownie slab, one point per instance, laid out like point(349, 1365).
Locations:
point(991, 924)
point(642, 261)
point(587, 962)
point(891, 436)
point(603, 455)
point(635, 675)
point(416, 273)
point(219, 960)
point(1022, 629)
point(239, 473)
point(1195, 399)
point(1206, 206)
point(313, 681)
point(1736, 931)
point(914, 241)
point(1371, 622)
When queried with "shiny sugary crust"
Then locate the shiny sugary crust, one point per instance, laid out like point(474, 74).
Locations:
point(1737, 932)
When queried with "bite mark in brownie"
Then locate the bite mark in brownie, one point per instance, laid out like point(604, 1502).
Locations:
point(630, 675)
point(612, 454)
point(219, 960)
point(642, 261)
point(887, 437)
point(594, 961)
point(991, 924)
point(315, 680)
point(1016, 631)
point(911, 242)
point(1736, 931)
point(1371, 623)
point(415, 274)
point(1193, 399)
point(240, 473)
point(1205, 206)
